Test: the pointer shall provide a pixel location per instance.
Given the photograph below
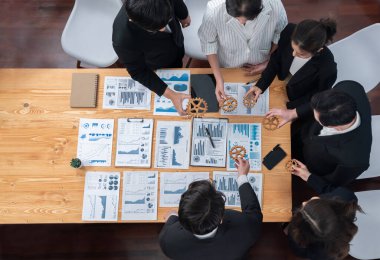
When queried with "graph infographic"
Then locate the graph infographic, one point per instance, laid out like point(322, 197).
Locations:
point(101, 196)
point(95, 141)
point(226, 182)
point(172, 144)
point(173, 184)
point(248, 136)
point(134, 142)
point(237, 91)
point(206, 152)
point(140, 195)
point(178, 81)
point(125, 93)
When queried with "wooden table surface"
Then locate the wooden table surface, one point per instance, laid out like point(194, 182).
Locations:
point(38, 138)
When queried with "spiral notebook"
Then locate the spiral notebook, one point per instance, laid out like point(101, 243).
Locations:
point(84, 89)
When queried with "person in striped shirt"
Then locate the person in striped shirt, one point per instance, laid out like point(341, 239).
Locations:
point(240, 33)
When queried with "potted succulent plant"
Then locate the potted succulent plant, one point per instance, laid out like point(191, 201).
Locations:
point(76, 163)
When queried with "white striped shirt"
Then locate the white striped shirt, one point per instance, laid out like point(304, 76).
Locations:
point(235, 43)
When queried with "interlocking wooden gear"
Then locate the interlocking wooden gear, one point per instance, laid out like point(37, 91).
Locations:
point(229, 104)
point(237, 151)
point(289, 165)
point(196, 107)
point(271, 123)
point(249, 100)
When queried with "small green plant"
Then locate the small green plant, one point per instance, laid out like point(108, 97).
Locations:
point(75, 163)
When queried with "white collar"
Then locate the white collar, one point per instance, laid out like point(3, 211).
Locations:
point(208, 235)
point(326, 131)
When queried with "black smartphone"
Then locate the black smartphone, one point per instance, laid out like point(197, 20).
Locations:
point(203, 86)
point(274, 157)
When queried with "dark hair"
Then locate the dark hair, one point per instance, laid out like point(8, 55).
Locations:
point(247, 8)
point(201, 208)
point(151, 15)
point(326, 223)
point(334, 107)
point(311, 35)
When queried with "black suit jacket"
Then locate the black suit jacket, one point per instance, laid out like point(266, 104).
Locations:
point(339, 159)
point(142, 51)
point(318, 74)
point(236, 234)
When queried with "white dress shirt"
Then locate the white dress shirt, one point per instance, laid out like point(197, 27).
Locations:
point(326, 131)
point(297, 64)
point(235, 43)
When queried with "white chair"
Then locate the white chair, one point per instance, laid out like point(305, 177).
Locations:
point(88, 32)
point(366, 243)
point(192, 43)
point(358, 55)
point(374, 162)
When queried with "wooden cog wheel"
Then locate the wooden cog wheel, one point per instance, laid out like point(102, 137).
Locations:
point(289, 165)
point(229, 104)
point(237, 151)
point(196, 107)
point(271, 123)
point(249, 101)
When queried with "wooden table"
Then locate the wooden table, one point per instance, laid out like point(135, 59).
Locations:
point(38, 137)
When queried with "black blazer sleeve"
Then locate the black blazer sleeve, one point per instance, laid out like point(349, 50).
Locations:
point(180, 9)
point(171, 220)
point(250, 206)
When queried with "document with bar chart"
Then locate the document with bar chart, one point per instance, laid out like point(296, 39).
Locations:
point(248, 136)
point(134, 142)
point(237, 91)
point(95, 141)
point(101, 196)
point(125, 93)
point(173, 184)
point(206, 152)
point(178, 81)
point(140, 195)
point(226, 182)
point(172, 144)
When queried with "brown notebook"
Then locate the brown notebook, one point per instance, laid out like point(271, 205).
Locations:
point(84, 89)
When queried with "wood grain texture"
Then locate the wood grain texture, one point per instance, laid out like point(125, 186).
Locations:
point(38, 136)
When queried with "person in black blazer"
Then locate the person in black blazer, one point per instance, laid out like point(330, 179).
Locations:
point(147, 36)
point(303, 60)
point(205, 230)
point(337, 144)
point(316, 225)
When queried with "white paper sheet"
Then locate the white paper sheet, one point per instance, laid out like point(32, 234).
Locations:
point(178, 81)
point(237, 91)
point(248, 136)
point(172, 144)
point(95, 141)
point(125, 93)
point(202, 152)
point(101, 196)
point(173, 184)
point(140, 195)
point(226, 183)
point(134, 142)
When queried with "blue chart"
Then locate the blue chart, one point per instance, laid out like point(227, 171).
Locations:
point(174, 159)
point(183, 77)
point(131, 98)
point(138, 201)
point(216, 130)
point(169, 109)
point(175, 191)
point(164, 156)
point(231, 200)
point(163, 135)
point(180, 87)
point(242, 129)
point(127, 83)
point(134, 151)
point(103, 201)
point(227, 184)
point(146, 126)
point(199, 148)
point(98, 136)
point(177, 134)
point(255, 132)
point(211, 161)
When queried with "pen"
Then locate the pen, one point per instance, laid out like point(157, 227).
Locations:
point(209, 137)
point(250, 82)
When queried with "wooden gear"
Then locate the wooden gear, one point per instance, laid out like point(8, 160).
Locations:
point(249, 101)
point(196, 107)
point(229, 104)
point(271, 123)
point(289, 165)
point(237, 151)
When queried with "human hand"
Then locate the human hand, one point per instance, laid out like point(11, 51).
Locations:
point(255, 91)
point(177, 99)
point(170, 213)
point(219, 91)
point(185, 22)
point(242, 166)
point(287, 115)
point(301, 171)
point(254, 69)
